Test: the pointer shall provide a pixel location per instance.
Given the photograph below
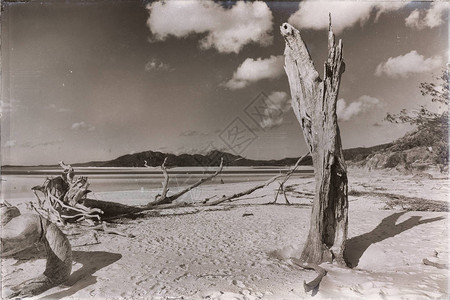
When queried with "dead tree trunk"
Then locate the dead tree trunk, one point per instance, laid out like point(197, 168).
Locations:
point(314, 104)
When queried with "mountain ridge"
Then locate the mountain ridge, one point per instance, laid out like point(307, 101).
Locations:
point(212, 158)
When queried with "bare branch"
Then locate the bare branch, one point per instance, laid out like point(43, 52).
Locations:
point(165, 183)
point(68, 173)
point(247, 192)
point(164, 199)
point(286, 177)
point(202, 180)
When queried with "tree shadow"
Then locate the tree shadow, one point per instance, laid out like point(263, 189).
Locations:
point(356, 246)
point(92, 262)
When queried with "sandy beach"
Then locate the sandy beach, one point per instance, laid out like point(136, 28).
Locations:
point(242, 250)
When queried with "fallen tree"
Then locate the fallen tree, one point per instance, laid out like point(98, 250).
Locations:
point(65, 198)
point(164, 199)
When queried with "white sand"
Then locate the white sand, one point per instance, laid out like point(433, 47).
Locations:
point(218, 253)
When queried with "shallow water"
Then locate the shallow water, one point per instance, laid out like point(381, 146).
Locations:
point(17, 182)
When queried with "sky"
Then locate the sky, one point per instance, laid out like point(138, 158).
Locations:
point(87, 81)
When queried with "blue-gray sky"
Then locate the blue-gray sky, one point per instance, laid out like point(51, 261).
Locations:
point(97, 80)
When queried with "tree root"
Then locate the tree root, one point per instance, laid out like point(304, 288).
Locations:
point(62, 196)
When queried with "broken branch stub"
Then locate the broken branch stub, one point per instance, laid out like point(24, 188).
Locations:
point(314, 104)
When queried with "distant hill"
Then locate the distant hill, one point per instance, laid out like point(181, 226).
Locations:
point(422, 149)
point(417, 150)
point(212, 158)
point(155, 158)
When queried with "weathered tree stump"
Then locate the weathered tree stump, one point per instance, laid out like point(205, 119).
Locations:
point(314, 104)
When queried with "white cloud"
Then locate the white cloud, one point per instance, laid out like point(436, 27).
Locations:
point(82, 126)
point(5, 106)
point(252, 70)
point(27, 144)
point(413, 20)
point(430, 18)
point(192, 133)
point(41, 144)
point(278, 104)
point(344, 13)
point(156, 65)
point(59, 110)
point(227, 30)
point(410, 63)
point(9, 106)
point(10, 144)
point(361, 105)
point(64, 110)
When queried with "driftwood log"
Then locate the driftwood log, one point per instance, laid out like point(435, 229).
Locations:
point(55, 191)
point(162, 201)
point(21, 232)
point(314, 104)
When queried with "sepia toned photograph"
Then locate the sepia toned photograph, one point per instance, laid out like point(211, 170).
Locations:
point(226, 150)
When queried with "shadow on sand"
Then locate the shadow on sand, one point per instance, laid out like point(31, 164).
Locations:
point(356, 246)
point(92, 262)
